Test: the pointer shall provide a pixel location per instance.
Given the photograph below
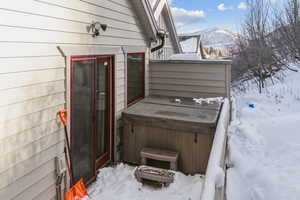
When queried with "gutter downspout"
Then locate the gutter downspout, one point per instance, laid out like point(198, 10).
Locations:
point(162, 35)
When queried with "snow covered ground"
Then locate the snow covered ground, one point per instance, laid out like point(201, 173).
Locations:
point(119, 183)
point(264, 142)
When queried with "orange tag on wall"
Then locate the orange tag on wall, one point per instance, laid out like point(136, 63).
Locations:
point(77, 192)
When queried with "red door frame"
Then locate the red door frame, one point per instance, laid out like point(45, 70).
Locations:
point(111, 121)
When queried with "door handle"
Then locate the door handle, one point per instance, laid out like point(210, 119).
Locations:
point(101, 93)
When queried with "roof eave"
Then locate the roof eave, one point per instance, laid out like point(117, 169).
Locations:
point(173, 27)
point(161, 6)
point(144, 12)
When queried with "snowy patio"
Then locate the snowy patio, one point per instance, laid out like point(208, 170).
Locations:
point(119, 183)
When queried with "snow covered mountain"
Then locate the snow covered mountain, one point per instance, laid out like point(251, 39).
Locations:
point(216, 38)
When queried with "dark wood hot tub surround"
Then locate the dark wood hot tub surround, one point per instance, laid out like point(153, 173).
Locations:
point(161, 123)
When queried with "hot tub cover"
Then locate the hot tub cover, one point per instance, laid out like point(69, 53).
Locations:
point(175, 113)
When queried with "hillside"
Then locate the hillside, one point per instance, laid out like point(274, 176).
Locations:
point(264, 141)
point(216, 38)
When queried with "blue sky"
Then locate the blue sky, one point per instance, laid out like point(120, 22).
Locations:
point(193, 15)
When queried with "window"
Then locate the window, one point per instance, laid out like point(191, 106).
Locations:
point(135, 77)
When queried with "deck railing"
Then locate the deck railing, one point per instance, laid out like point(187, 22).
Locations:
point(214, 186)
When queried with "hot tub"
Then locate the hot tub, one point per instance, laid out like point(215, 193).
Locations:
point(175, 124)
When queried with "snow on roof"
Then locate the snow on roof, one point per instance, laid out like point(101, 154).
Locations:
point(185, 56)
point(189, 45)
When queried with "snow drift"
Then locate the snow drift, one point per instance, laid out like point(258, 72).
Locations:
point(265, 142)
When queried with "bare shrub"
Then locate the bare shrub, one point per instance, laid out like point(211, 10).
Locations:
point(286, 34)
point(254, 54)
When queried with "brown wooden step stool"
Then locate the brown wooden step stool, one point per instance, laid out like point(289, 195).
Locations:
point(160, 155)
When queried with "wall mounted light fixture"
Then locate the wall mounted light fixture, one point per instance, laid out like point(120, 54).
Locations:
point(95, 27)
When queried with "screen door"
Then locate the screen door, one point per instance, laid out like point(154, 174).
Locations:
point(103, 111)
point(81, 120)
point(91, 115)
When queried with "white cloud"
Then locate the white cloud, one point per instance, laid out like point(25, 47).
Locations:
point(222, 7)
point(273, 1)
point(242, 5)
point(184, 17)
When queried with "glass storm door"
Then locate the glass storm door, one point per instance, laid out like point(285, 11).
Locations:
point(103, 111)
point(91, 115)
point(81, 120)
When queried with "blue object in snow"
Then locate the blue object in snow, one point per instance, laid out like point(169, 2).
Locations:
point(251, 106)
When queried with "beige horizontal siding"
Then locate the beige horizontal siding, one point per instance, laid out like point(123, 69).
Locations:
point(27, 122)
point(49, 193)
point(15, 111)
point(55, 37)
point(25, 152)
point(32, 81)
point(8, 50)
point(16, 142)
point(15, 174)
point(22, 79)
point(21, 94)
point(35, 175)
point(24, 64)
point(124, 9)
point(189, 79)
point(36, 169)
point(97, 9)
point(121, 2)
point(68, 11)
point(39, 187)
point(41, 17)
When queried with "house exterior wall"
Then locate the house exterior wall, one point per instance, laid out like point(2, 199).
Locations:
point(196, 79)
point(33, 81)
point(168, 49)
